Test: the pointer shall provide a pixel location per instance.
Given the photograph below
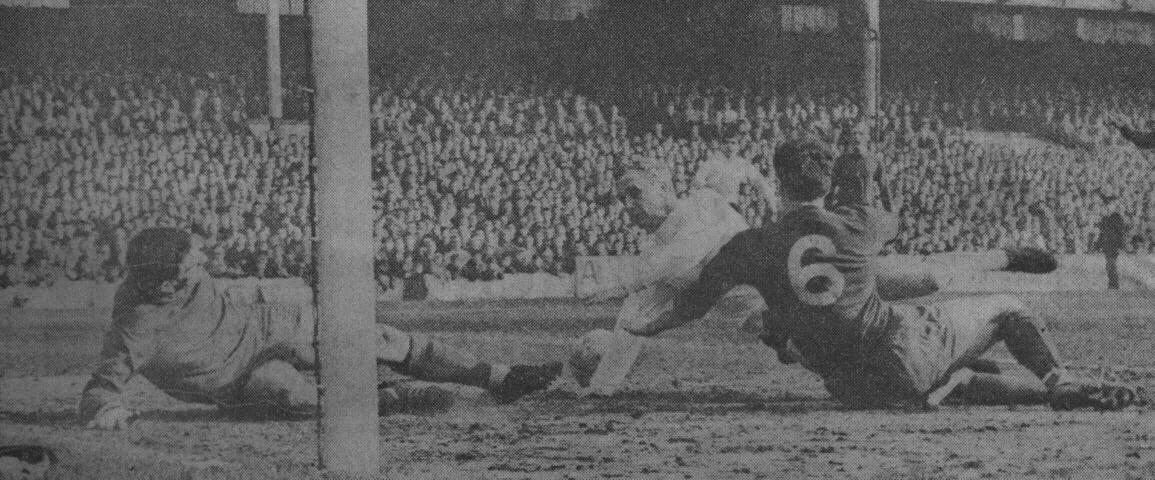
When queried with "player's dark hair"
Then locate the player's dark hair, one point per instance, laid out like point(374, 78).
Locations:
point(804, 169)
point(155, 254)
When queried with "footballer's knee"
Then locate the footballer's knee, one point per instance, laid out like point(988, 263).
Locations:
point(1014, 319)
point(279, 389)
point(1019, 320)
point(1010, 316)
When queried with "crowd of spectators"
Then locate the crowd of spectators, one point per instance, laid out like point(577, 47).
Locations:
point(482, 172)
point(87, 159)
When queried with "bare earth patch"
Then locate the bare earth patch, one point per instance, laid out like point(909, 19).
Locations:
point(707, 402)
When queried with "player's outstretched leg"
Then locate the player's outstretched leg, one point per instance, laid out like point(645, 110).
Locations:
point(421, 357)
point(522, 380)
point(1026, 339)
point(623, 347)
point(614, 363)
point(617, 351)
point(277, 390)
point(980, 323)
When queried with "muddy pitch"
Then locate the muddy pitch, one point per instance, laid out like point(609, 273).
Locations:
point(708, 402)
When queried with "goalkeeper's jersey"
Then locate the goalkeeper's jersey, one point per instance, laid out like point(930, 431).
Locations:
point(195, 349)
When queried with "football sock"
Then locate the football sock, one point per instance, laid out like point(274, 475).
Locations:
point(434, 361)
point(1025, 337)
point(1002, 389)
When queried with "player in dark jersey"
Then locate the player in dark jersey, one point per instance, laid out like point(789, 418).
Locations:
point(817, 270)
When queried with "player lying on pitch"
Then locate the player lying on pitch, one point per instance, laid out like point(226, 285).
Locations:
point(175, 325)
point(684, 234)
point(817, 270)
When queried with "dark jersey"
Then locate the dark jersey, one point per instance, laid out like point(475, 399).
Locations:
point(816, 269)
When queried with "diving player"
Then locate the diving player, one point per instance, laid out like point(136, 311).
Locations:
point(817, 271)
point(685, 233)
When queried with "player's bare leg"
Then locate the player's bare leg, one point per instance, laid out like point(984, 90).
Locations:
point(645, 306)
point(955, 380)
point(624, 347)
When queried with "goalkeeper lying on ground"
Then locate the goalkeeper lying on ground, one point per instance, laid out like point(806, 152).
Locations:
point(178, 328)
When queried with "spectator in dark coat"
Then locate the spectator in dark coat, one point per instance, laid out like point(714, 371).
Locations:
point(1112, 234)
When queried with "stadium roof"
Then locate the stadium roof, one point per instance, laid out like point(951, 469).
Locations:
point(1140, 6)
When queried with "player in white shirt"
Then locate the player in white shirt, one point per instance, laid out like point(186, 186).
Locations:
point(724, 173)
point(685, 233)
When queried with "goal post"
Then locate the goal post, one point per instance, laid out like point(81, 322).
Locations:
point(273, 61)
point(871, 78)
point(345, 289)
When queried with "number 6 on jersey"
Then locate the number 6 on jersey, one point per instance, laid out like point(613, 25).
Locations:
point(816, 284)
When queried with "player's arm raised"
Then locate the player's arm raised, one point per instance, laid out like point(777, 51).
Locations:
point(854, 177)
